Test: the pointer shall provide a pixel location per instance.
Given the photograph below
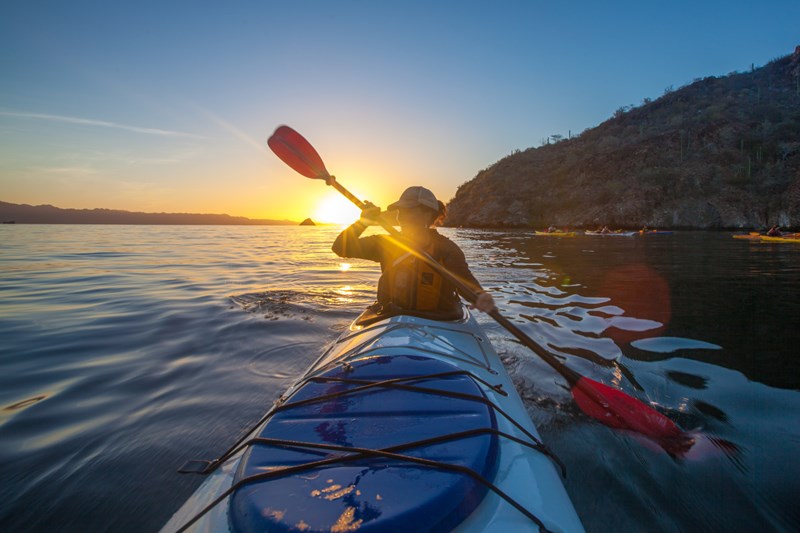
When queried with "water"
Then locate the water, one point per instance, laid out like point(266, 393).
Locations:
point(127, 350)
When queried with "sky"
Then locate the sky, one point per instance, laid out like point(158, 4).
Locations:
point(166, 106)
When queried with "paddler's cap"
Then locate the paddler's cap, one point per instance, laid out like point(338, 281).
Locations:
point(413, 197)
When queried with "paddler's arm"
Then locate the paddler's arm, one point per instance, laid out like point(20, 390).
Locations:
point(485, 301)
point(348, 243)
point(457, 264)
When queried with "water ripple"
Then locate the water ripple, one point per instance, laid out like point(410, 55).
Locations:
point(672, 344)
point(128, 350)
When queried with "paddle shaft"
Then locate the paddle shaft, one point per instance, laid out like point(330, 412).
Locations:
point(570, 375)
point(361, 205)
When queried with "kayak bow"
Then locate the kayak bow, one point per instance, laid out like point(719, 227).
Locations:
point(404, 423)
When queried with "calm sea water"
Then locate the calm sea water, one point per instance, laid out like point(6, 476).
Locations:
point(127, 350)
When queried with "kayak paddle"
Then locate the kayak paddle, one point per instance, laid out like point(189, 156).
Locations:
point(606, 404)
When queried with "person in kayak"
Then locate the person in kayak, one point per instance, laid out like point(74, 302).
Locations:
point(407, 284)
point(775, 231)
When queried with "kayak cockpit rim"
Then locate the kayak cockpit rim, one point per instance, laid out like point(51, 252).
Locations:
point(369, 328)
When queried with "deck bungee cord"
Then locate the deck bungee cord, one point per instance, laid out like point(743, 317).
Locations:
point(358, 453)
point(200, 466)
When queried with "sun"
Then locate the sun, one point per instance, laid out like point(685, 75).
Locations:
point(336, 210)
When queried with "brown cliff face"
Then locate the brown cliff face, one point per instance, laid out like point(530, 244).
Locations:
point(719, 153)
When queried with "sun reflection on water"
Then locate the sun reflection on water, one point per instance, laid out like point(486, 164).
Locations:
point(345, 294)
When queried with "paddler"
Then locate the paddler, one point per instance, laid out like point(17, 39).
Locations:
point(775, 231)
point(407, 284)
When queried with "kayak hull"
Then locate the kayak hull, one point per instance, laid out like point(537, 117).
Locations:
point(612, 234)
point(765, 238)
point(452, 358)
point(555, 233)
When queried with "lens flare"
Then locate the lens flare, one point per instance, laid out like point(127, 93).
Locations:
point(643, 294)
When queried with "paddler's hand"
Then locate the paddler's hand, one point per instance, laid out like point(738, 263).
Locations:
point(371, 212)
point(484, 302)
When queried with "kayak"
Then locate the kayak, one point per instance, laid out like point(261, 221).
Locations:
point(787, 237)
point(765, 238)
point(555, 233)
point(656, 232)
point(613, 233)
point(403, 423)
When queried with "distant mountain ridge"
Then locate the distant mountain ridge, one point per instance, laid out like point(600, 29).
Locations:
point(722, 152)
point(48, 214)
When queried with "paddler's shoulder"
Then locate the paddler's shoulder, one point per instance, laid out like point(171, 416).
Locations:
point(438, 236)
point(443, 242)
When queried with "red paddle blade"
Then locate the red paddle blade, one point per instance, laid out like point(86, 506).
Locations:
point(616, 409)
point(297, 152)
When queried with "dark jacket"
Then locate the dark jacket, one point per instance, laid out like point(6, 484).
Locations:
point(391, 254)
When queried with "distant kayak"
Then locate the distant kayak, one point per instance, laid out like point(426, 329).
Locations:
point(753, 236)
point(613, 233)
point(656, 232)
point(555, 233)
point(765, 238)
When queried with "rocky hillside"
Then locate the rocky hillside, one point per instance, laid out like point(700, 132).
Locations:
point(723, 152)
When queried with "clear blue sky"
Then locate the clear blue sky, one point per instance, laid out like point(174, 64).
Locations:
point(166, 106)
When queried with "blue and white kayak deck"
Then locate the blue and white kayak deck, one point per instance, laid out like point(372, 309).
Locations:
point(403, 424)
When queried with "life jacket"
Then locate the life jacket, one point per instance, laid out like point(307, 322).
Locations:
point(411, 284)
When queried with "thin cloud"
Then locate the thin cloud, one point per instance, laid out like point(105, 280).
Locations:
point(100, 123)
point(233, 130)
point(81, 170)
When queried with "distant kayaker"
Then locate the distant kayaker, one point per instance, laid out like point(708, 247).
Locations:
point(407, 283)
point(775, 231)
point(552, 229)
